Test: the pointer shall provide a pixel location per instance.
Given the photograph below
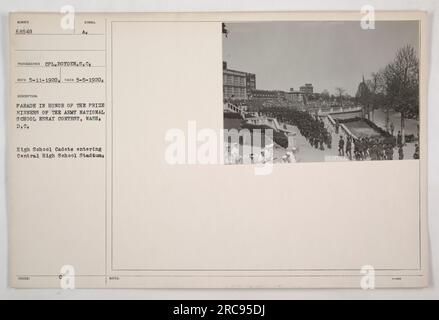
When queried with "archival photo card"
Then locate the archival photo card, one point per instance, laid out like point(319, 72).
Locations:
point(126, 131)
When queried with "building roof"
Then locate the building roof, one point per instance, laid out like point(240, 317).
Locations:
point(241, 73)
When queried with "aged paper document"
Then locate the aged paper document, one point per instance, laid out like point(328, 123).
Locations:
point(124, 170)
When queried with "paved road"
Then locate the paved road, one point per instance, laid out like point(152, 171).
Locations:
point(410, 125)
point(306, 153)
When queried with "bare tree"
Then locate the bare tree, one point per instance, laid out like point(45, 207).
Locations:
point(340, 91)
point(325, 95)
point(375, 92)
point(402, 84)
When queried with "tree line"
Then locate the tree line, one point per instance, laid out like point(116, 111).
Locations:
point(394, 87)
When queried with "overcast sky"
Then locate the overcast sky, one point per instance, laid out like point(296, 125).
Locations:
point(326, 54)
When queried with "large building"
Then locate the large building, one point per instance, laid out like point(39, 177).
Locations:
point(251, 82)
point(294, 96)
point(265, 94)
point(307, 88)
point(237, 85)
point(240, 85)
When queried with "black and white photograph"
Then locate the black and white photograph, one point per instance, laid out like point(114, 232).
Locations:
point(325, 90)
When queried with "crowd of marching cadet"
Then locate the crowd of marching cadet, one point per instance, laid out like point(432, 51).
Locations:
point(373, 148)
point(365, 148)
point(313, 130)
